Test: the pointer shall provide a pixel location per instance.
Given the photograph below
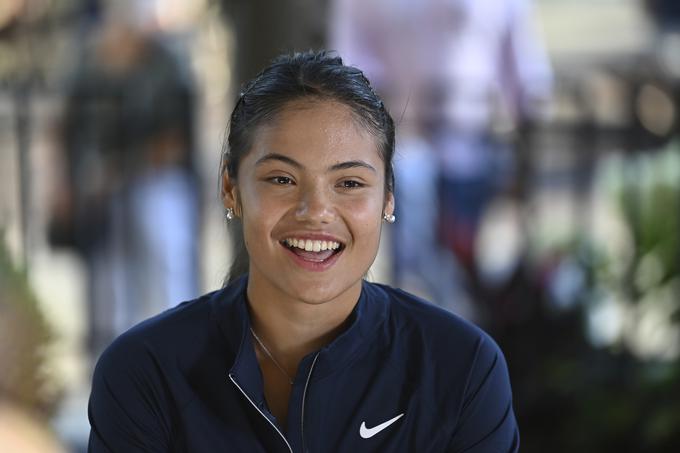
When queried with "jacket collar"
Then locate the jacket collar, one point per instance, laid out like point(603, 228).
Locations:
point(231, 313)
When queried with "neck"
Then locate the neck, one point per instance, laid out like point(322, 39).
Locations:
point(292, 328)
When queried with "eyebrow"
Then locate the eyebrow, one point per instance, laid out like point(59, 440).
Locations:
point(279, 157)
point(296, 164)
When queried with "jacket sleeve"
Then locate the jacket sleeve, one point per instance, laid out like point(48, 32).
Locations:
point(127, 410)
point(487, 422)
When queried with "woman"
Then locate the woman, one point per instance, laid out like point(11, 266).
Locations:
point(299, 353)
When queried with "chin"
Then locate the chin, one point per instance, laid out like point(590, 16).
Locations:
point(318, 293)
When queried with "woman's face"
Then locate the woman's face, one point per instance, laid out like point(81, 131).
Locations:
point(311, 195)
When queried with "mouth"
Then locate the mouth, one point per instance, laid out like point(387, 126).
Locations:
point(313, 250)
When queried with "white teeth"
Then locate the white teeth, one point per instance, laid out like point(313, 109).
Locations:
point(312, 245)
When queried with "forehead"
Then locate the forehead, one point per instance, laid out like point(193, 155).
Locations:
point(316, 132)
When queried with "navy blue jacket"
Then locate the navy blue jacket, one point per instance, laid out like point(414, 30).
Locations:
point(406, 376)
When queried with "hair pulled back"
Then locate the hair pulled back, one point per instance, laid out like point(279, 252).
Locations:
point(308, 75)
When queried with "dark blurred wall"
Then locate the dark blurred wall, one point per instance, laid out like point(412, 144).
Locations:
point(265, 28)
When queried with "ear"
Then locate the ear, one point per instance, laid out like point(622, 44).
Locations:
point(229, 192)
point(389, 204)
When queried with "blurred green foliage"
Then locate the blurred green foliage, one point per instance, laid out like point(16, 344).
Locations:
point(573, 394)
point(24, 338)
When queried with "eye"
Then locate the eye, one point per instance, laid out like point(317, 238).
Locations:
point(351, 184)
point(281, 180)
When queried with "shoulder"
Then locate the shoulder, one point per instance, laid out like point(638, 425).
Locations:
point(415, 316)
point(175, 335)
point(437, 342)
point(457, 369)
point(181, 335)
point(137, 382)
point(157, 356)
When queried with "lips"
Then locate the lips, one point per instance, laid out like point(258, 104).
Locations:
point(313, 253)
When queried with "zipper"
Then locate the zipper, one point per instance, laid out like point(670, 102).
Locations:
point(262, 413)
point(304, 395)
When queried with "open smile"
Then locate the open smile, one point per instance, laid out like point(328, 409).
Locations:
point(313, 254)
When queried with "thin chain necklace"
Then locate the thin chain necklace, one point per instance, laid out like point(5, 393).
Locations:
point(269, 354)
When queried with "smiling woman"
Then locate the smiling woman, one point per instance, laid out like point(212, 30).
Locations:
point(336, 196)
point(298, 353)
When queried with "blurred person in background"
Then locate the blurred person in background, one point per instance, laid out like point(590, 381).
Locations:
point(665, 13)
point(665, 16)
point(129, 203)
point(450, 69)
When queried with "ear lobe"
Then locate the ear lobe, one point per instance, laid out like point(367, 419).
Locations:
point(228, 192)
point(389, 204)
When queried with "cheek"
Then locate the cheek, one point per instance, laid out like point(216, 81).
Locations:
point(365, 214)
point(257, 202)
point(257, 216)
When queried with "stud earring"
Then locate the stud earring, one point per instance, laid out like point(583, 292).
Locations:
point(229, 214)
point(389, 218)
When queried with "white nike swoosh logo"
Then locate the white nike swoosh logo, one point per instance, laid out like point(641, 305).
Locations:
point(367, 433)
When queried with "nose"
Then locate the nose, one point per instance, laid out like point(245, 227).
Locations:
point(315, 206)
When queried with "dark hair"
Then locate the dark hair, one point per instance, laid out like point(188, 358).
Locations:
point(306, 75)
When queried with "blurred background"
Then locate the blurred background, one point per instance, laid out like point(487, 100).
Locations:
point(538, 189)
